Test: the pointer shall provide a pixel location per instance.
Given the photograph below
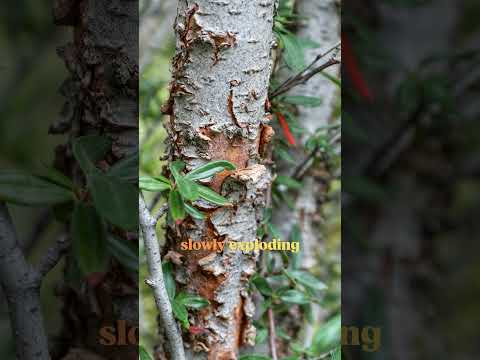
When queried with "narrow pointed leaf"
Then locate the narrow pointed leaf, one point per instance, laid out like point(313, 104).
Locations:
point(181, 313)
point(88, 239)
point(210, 169)
point(194, 213)
point(192, 301)
point(153, 184)
point(211, 196)
point(175, 204)
point(25, 189)
point(126, 254)
point(88, 150)
point(115, 200)
point(53, 175)
point(144, 354)
point(126, 169)
point(294, 297)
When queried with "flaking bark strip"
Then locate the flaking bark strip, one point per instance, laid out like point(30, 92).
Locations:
point(101, 95)
point(222, 117)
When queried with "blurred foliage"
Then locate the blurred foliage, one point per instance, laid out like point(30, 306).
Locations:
point(30, 74)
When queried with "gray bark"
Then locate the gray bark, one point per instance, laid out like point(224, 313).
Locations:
point(101, 99)
point(21, 284)
point(221, 75)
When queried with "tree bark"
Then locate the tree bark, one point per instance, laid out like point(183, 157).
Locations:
point(221, 74)
point(101, 99)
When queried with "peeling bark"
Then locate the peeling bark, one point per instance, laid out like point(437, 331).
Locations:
point(223, 57)
point(101, 99)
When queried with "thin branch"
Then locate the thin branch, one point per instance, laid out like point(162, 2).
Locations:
point(157, 282)
point(273, 336)
point(21, 285)
point(302, 78)
point(53, 255)
point(39, 228)
point(163, 209)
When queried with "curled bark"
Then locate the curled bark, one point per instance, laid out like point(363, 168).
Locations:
point(221, 73)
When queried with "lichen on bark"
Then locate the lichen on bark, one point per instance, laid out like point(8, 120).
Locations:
point(221, 72)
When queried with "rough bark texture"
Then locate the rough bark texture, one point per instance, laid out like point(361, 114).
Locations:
point(221, 74)
point(21, 284)
point(101, 98)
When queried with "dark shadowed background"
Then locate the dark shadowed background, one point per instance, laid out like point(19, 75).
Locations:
point(411, 171)
point(30, 75)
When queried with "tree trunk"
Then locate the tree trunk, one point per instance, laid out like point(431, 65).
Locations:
point(221, 74)
point(322, 25)
point(101, 99)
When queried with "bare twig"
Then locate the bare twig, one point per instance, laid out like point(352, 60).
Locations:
point(53, 255)
point(307, 73)
point(302, 78)
point(39, 228)
point(163, 209)
point(157, 282)
point(273, 336)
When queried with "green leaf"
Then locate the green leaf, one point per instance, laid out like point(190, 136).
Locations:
point(125, 253)
point(337, 354)
point(24, 189)
point(289, 182)
point(176, 206)
point(115, 200)
point(170, 284)
point(89, 242)
point(211, 196)
point(261, 336)
point(176, 167)
point(88, 150)
point(333, 79)
point(210, 169)
point(194, 213)
point(153, 184)
point(192, 301)
point(144, 354)
point(307, 279)
point(126, 169)
point(294, 297)
point(187, 188)
point(308, 43)
point(181, 313)
point(293, 54)
point(327, 336)
point(53, 175)
point(307, 101)
point(254, 357)
point(262, 285)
